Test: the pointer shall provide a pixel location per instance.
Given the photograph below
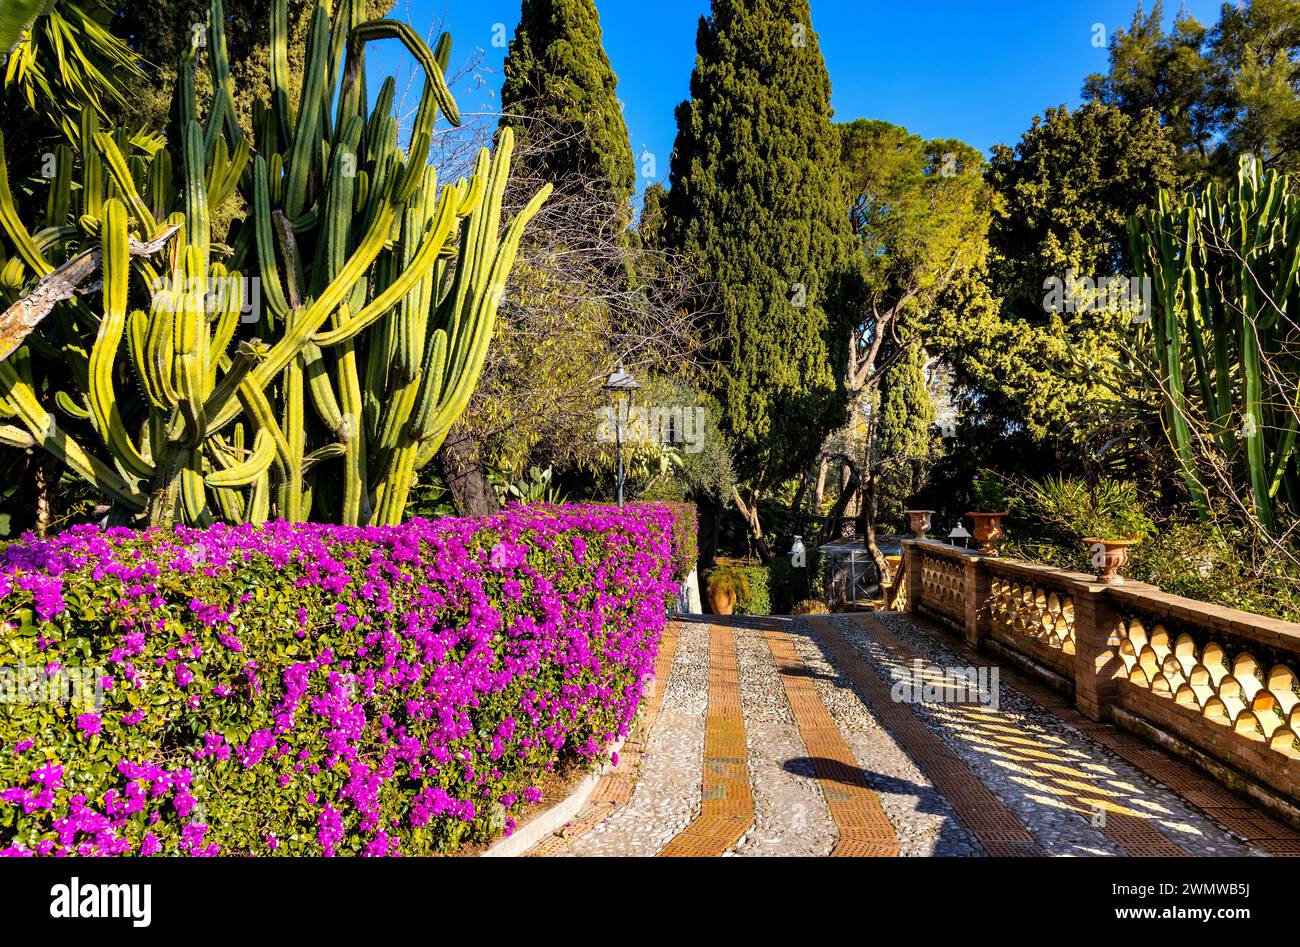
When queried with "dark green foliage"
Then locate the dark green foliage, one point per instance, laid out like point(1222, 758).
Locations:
point(161, 30)
point(906, 430)
point(1219, 92)
point(757, 202)
point(1063, 198)
point(557, 73)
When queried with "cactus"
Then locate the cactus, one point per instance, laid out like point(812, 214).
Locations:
point(1223, 267)
point(356, 341)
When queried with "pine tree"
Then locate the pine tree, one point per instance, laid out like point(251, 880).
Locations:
point(759, 203)
point(557, 73)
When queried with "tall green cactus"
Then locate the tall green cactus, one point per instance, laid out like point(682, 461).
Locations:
point(1223, 267)
point(344, 321)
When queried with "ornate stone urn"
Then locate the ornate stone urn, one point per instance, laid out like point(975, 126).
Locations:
point(919, 522)
point(1108, 557)
point(987, 530)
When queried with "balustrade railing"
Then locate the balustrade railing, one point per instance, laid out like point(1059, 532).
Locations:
point(1221, 682)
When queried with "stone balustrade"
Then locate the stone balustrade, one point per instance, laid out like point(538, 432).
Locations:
point(1213, 683)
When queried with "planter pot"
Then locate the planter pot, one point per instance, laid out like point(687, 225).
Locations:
point(722, 601)
point(919, 522)
point(987, 530)
point(1108, 557)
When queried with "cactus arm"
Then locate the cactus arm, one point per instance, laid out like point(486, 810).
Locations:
point(420, 266)
point(196, 193)
point(160, 185)
point(258, 408)
point(59, 202)
point(194, 494)
point(11, 436)
point(103, 402)
point(13, 227)
point(45, 432)
point(473, 352)
point(92, 168)
point(266, 261)
point(219, 65)
point(231, 297)
point(306, 135)
point(245, 473)
point(121, 175)
point(280, 103)
point(393, 29)
point(70, 406)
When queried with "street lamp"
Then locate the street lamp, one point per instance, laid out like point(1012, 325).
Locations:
point(959, 532)
point(620, 384)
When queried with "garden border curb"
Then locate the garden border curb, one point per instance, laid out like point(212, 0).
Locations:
point(552, 820)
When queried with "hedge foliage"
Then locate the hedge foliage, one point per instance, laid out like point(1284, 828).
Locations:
point(313, 689)
point(686, 537)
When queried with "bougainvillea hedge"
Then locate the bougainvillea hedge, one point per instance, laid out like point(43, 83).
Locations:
point(313, 689)
point(686, 537)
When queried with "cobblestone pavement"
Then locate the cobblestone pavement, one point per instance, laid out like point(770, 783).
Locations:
point(831, 736)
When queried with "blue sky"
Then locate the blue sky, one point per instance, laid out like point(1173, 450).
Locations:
point(978, 71)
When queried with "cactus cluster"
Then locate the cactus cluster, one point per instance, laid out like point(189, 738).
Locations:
point(1224, 267)
point(310, 362)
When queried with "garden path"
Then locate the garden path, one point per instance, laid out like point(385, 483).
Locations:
point(785, 736)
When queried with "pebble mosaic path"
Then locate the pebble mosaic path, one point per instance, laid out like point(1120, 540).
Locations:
point(819, 737)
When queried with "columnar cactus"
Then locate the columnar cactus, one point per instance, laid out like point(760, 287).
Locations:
point(1225, 269)
point(343, 322)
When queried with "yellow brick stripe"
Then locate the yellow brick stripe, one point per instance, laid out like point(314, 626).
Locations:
point(864, 828)
point(995, 827)
point(727, 803)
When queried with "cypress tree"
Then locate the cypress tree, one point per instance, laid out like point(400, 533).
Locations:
point(557, 72)
point(759, 203)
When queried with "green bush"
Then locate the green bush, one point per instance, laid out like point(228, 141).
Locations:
point(788, 586)
point(306, 689)
point(686, 537)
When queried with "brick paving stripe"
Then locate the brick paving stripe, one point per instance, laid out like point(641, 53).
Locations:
point(727, 804)
point(996, 828)
point(864, 828)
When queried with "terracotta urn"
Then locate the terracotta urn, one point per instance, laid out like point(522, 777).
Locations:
point(1108, 557)
point(722, 601)
point(920, 522)
point(987, 530)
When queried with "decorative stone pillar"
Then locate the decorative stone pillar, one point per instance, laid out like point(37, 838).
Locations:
point(977, 585)
point(912, 570)
point(1096, 643)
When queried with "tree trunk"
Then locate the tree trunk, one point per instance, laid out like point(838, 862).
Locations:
point(462, 468)
point(819, 497)
point(868, 520)
point(831, 526)
point(710, 511)
point(750, 513)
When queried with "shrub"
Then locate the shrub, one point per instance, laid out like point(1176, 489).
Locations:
point(748, 580)
point(686, 537)
point(810, 606)
point(306, 689)
point(1071, 509)
point(788, 585)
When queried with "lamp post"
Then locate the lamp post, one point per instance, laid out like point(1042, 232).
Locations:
point(959, 532)
point(619, 384)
